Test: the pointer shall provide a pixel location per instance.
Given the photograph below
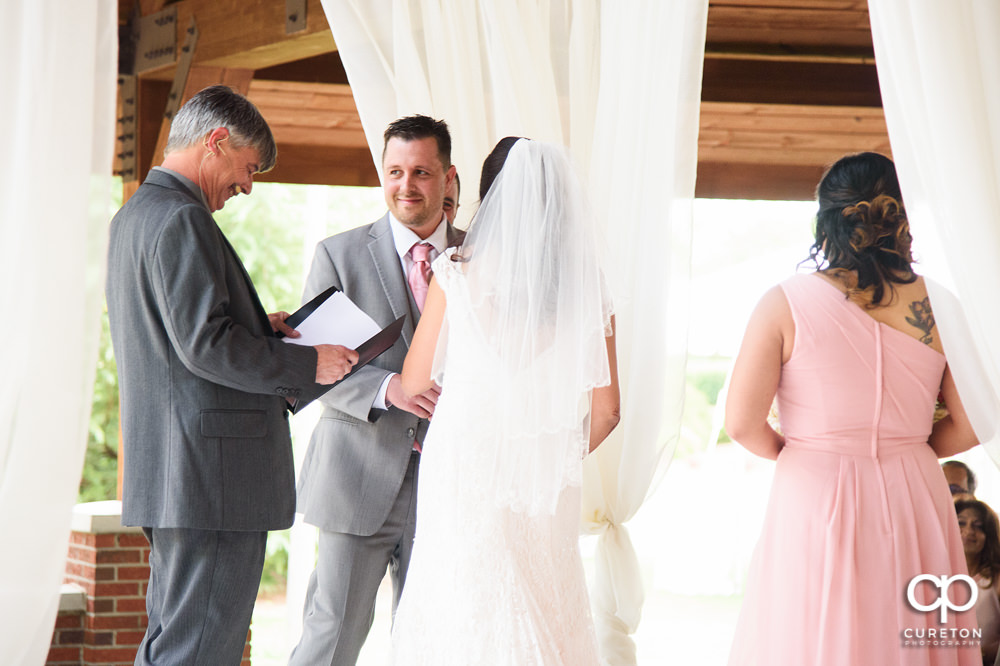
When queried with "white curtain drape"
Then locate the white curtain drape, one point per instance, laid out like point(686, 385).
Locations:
point(57, 120)
point(619, 83)
point(939, 72)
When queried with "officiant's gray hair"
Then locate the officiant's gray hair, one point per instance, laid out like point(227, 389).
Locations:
point(221, 106)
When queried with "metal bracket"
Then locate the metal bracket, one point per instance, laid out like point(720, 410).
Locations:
point(157, 40)
point(183, 67)
point(128, 37)
point(125, 136)
point(295, 16)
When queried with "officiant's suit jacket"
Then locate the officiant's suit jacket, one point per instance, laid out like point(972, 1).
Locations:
point(203, 380)
point(358, 455)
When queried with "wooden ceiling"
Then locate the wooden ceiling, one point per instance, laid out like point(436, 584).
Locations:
point(788, 87)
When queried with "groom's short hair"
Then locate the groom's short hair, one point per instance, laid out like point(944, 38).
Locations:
point(410, 128)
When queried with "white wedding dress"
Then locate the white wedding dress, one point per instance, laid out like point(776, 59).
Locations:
point(487, 584)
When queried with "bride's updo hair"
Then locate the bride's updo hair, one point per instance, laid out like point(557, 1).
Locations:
point(494, 163)
point(861, 224)
point(492, 166)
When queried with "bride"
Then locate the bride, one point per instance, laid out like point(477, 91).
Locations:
point(517, 329)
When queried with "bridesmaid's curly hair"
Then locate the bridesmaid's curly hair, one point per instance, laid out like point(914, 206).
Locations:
point(861, 224)
point(989, 558)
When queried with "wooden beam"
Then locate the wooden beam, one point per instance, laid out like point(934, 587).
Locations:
point(788, 87)
point(320, 139)
point(750, 51)
point(152, 99)
point(792, 25)
point(801, 118)
point(837, 5)
point(324, 68)
point(308, 113)
point(789, 135)
point(772, 82)
point(249, 34)
point(322, 165)
point(755, 151)
point(318, 131)
point(772, 182)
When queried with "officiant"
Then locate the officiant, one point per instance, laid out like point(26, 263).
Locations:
point(205, 385)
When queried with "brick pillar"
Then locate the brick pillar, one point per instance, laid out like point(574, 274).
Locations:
point(110, 565)
point(67, 639)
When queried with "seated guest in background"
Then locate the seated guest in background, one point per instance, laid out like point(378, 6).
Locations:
point(961, 480)
point(981, 540)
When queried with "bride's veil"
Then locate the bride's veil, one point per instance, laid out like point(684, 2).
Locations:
point(537, 296)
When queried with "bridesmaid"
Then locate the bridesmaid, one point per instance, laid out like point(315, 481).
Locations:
point(859, 507)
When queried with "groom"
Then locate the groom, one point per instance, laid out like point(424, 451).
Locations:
point(358, 483)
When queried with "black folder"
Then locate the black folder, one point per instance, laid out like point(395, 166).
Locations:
point(367, 350)
point(300, 315)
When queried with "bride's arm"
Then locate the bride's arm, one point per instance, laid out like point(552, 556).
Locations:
point(416, 374)
point(605, 402)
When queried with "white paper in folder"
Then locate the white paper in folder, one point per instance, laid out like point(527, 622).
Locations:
point(336, 321)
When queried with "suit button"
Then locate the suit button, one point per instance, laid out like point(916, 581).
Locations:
point(411, 432)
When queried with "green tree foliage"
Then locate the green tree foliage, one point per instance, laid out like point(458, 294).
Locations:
point(267, 230)
point(700, 421)
point(100, 467)
point(99, 480)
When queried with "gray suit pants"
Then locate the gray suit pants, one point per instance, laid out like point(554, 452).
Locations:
point(340, 599)
point(202, 588)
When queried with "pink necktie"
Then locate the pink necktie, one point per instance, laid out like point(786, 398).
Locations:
point(420, 272)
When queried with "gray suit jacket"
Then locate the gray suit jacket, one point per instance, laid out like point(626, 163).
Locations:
point(358, 455)
point(202, 378)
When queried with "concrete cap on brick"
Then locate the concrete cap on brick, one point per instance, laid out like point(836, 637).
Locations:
point(100, 518)
point(72, 598)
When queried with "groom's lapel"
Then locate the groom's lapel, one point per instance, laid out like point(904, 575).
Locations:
point(390, 274)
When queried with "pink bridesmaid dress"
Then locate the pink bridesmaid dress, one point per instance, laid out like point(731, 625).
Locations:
point(858, 506)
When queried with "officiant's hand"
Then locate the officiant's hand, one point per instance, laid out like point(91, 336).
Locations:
point(278, 325)
point(421, 405)
point(333, 362)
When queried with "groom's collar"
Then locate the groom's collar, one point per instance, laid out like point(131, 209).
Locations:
point(404, 238)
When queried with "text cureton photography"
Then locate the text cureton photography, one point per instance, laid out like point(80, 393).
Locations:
point(939, 599)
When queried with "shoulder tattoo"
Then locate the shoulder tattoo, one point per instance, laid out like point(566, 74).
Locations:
point(922, 319)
